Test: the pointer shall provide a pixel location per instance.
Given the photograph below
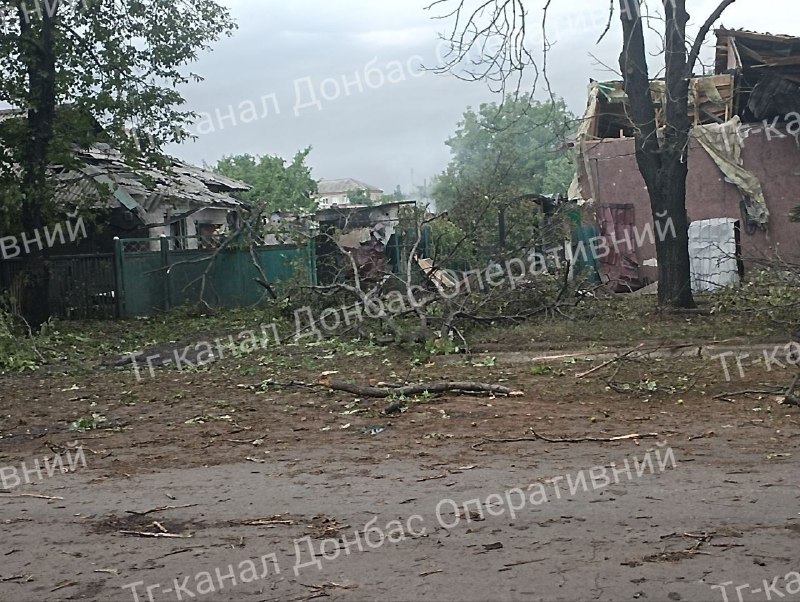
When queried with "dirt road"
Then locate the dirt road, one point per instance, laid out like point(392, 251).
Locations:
point(387, 502)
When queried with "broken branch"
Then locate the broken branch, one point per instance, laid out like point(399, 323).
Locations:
point(147, 534)
point(160, 509)
point(594, 439)
point(434, 387)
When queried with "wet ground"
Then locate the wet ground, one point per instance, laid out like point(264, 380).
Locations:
point(192, 477)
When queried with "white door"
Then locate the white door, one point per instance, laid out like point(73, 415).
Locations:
point(712, 252)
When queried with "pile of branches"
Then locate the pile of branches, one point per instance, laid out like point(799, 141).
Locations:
point(769, 297)
point(423, 301)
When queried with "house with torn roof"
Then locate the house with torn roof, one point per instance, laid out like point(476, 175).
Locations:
point(744, 166)
point(177, 200)
point(192, 204)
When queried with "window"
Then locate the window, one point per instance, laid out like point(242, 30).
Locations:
point(177, 229)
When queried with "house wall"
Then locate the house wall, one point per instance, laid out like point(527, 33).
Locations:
point(342, 199)
point(775, 162)
point(204, 216)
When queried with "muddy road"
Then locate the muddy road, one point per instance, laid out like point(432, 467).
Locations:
point(226, 485)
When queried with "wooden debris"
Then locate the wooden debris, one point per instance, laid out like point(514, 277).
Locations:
point(148, 534)
point(479, 444)
point(159, 509)
point(608, 363)
point(537, 437)
point(434, 387)
point(488, 547)
point(725, 396)
point(267, 522)
point(63, 585)
point(34, 495)
point(320, 591)
point(182, 551)
point(16, 578)
point(595, 439)
point(160, 527)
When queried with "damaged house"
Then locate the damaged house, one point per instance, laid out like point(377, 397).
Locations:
point(370, 234)
point(191, 205)
point(177, 200)
point(744, 166)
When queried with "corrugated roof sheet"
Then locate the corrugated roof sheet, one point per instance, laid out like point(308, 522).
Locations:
point(147, 186)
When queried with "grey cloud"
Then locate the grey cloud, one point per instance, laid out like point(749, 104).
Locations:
point(381, 135)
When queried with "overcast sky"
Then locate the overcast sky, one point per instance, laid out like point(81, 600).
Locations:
point(392, 134)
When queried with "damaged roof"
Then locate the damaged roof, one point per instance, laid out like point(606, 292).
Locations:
point(149, 187)
point(711, 100)
point(766, 68)
point(139, 189)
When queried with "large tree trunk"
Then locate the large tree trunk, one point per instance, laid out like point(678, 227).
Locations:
point(662, 163)
point(40, 59)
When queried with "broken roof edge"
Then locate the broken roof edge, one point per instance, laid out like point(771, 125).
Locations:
point(111, 156)
point(755, 35)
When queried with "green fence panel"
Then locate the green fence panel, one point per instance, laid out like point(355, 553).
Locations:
point(231, 278)
point(142, 282)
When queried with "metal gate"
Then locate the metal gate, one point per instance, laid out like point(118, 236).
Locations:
point(79, 286)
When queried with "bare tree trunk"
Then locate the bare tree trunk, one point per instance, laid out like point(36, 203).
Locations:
point(663, 164)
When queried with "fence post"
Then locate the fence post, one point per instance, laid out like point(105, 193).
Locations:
point(165, 275)
point(311, 252)
point(119, 277)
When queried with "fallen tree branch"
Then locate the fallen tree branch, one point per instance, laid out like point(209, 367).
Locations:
point(538, 437)
point(434, 387)
point(595, 439)
point(160, 509)
point(148, 534)
point(609, 362)
point(33, 495)
point(774, 391)
point(475, 446)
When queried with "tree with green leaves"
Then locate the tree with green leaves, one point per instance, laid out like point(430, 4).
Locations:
point(276, 185)
point(360, 196)
point(93, 70)
point(500, 155)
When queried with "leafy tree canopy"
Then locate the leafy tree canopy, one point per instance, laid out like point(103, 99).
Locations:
point(93, 69)
point(277, 186)
point(500, 153)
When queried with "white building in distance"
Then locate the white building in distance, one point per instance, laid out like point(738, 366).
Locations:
point(337, 193)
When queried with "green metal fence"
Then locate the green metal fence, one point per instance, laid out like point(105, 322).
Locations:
point(156, 274)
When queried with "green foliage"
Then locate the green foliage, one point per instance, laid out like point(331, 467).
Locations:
point(276, 185)
point(17, 351)
point(500, 153)
point(360, 197)
point(795, 214)
point(451, 246)
point(109, 66)
point(88, 423)
point(769, 298)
